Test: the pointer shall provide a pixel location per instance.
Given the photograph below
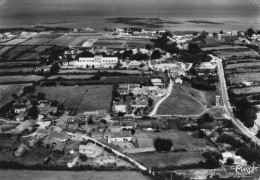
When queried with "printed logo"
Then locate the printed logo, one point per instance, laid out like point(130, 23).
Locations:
point(245, 170)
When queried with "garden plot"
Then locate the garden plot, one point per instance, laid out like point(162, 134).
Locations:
point(238, 78)
point(14, 42)
point(36, 41)
point(13, 53)
point(246, 90)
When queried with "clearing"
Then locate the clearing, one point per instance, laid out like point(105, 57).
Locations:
point(85, 98)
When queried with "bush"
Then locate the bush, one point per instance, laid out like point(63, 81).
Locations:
point(162, 144)
point(224, 138)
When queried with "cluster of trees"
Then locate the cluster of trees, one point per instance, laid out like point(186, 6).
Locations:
point(245, 111)
point(205, 118)
point(203, 85)
point(249, 154)
point(228, 139)
point(161, 144)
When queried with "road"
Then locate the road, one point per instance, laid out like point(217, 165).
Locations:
point(163, 99)
point(228, 106)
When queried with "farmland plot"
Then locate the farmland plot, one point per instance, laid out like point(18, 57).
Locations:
point(75, 40)
point(14, 70)
point(71, 77)
point(109, 43)
point(85, 98)
point(244, 65)
point(36, 41)
point(4, 49)
point(60, 40)
point(41, 48)
point(29, 56)
point(246, 90)
point(8, 90)
point(137, 43)
point(20, 79)
point(16, 51)
point(14, 42)
point(238, 78)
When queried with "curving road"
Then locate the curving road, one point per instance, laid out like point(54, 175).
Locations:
point(228, 106)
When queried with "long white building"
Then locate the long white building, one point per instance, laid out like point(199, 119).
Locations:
point(96, 62)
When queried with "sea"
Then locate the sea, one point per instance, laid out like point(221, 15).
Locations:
point(216, 14)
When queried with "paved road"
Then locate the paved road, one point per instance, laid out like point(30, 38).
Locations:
point(227, 104)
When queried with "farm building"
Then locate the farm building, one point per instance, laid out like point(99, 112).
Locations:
point(156, 82)
point(96, 62)
point(21, 150)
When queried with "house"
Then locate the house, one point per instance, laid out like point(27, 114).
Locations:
point(139, 103)
point(96, 62)
point(96, 134)
point(230, 155)
point(18, 108)
point(59, 148)
point(90, 150)
point(73, 127)
point(178, 81)
point(41, 133)
point(145, 90)
point(157, 82)
point(206, 65)
point(117, 136)
point(21, 127)
point(62, 136)
point(21, 150)
point(127, 125)
point(21, 116)
point(120, 108)
point(98, 114)
point(33, 141)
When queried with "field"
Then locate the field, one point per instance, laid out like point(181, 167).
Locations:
point(82, 71)
point(20, 79)
point(219, 48)
point(87, 43)
point(49, 35)
point(8, 90)
point(36, 41)
point(14, 42)
point(15, 52)
point(85, 98)
point(4, 49)
point(180, 103)
point(41, 48)
point(75, 41)
point(29, 56)
point(246, 90)
point(20, 63)
point(137, 43)
point(70, 175)
point(243, 65)
point(128, 79)
point(242, 61)
point(238, 78)
point(30, 69)
point(207, 98)
point(161, 160)
point(109, 43)
point(60, 40)
point(71, 77)
point(238, 53)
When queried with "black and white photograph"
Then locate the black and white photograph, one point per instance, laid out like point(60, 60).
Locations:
point(129, 89)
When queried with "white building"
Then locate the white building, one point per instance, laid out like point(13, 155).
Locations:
point(90, 150)
point(96, 62)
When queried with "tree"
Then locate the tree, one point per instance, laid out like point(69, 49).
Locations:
point(14, 96)
point(148, 47)
point(33, 112)
point(258, 134)
point(162, 144)
point(103, 121)
point(156, 54)
point(41, 96)
point(194, 48)
point(250, 32)
point(132, 131)
point(90, 120)
point(54, 68)
point(229, 161)
point(83, 157)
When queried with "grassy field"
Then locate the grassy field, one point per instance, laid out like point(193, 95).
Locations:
point(20, 79)
point(237, 53)
point(241, 61)
point(238, 78)
point(8, 90)
point(17, 70)
point(36, 41)
point(137, 43)
point(161, 160)
point(75, 41)
point(41, 48)
point(14, 42)
point(207, 98)
point(180, 139)
point(109, 43)
point(85, 98)
point(71, 76)
point(180, 103)
point(70, 175)
point(60, 40)
point(128, 79)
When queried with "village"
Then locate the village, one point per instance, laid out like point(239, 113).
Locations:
point(125, 98)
